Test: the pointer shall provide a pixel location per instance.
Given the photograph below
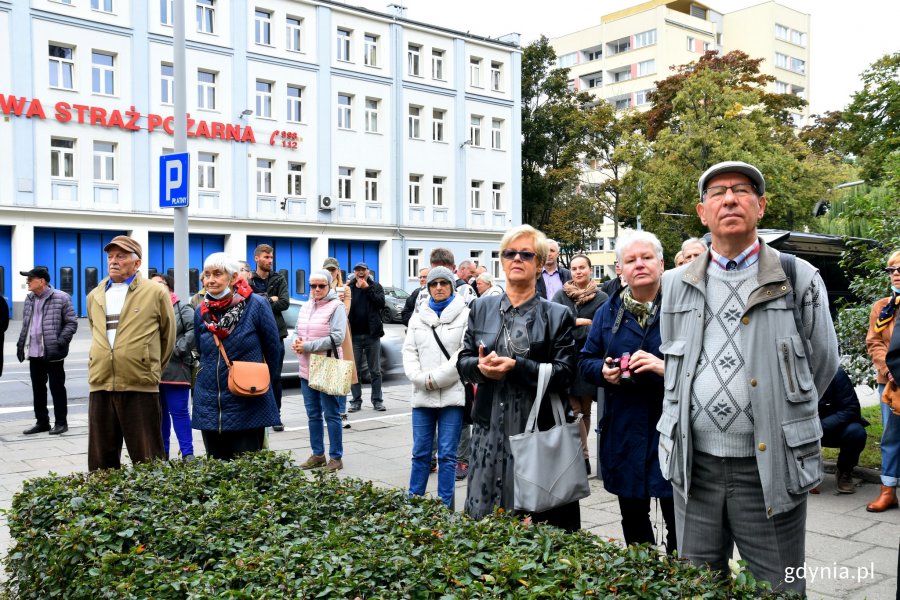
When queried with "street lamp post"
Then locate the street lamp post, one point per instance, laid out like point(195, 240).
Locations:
point(182, 284)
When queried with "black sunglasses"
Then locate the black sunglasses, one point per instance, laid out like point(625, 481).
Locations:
point(318, 286)
point(438, 282)
point(524, 254)
point(891, 270)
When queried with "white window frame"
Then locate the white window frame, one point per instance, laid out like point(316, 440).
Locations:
point(206, 16)
point(645, 38)
point(265, 173)
point(475, 130)
point(294, 33)
point(567, 60)
point(60, 66)
point(496, 76)
point(782, 88)
point(166, 12)
point(206, 170)
point(495, 264)
point(206, 90)
point(264, 98)
point(798, 65)
point(104, 6)
point(344, 38)
point(345, 111)
point(262, 20)
point(166, 84)
point(295, 179)
point(371, 185)
point(497, 196)
point(103, 76)
point(646, 67)
point(414, 196)
point(474, 71)
point(475, 195)
point(497, 134)
point(437, 190)
point(370, 50)
point(782, 32)
point(415, 122)
point(782, 60)
point(345, 183)
point(371, 116)
point(437, 124)
point(414, 60)
point(294, 112)
point(437, 64)
point(413, 262)
point(62, 154)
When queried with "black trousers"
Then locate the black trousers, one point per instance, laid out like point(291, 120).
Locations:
point(41, 371)
point(637, 527)
point(276, 384)
point(226, 445)
point(850, 439)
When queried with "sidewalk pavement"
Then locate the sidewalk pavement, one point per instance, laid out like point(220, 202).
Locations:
point(851, 554)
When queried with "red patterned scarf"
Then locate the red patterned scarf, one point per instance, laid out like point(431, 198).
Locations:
point(221, 316)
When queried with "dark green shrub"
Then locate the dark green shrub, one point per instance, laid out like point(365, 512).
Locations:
point(259, 527)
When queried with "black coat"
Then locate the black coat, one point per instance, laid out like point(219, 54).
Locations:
point(409, 307)
point(368, 302)
point(4, 325)
point(839, 405)
point(274, 286)
point(564, 276)
point(581, 387)
point(893, 355)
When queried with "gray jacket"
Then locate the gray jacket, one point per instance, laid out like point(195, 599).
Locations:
point(179, 369)
point(785, 384)
point(58, 324)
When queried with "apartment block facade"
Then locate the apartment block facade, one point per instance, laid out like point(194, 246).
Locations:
point(318, 128)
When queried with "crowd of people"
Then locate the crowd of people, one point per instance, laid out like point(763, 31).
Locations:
point(717, 382)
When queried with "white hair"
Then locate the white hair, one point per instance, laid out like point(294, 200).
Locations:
point(221, 260)
point(485, 277)
point(694, 240)
point(638, 237)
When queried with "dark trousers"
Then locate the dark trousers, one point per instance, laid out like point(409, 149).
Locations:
point(43, 370)
point(276, 384)
point(132, 417)
point(367, 347)
point(226, 445)
point(637, 527)
point(850, 439)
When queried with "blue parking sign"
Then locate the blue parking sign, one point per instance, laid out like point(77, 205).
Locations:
point(174, 180)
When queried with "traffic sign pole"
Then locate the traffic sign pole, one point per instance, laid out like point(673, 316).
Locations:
point(182, 289)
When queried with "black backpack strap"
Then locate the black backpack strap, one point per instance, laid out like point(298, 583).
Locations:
point(439, 343)
point(789, 265)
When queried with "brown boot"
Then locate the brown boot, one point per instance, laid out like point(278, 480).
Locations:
point(845, 483)
point(887, 499)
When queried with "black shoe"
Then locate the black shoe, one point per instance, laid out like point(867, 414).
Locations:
point(587, 465)
point(277, 427)
point(379, 406)
point(39, 428)
point(59, 428)
point(345, 421)
point(355, 407)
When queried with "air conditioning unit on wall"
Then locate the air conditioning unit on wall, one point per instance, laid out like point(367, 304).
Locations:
point(326, 203)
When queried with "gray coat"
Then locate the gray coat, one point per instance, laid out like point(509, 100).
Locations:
point(785, 384)
point(180, 366)
point(58, 324)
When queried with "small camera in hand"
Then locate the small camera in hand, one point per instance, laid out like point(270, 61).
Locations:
point(623, 364)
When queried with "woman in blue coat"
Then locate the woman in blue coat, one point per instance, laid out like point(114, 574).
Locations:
point(628, 326)
point(244, 325)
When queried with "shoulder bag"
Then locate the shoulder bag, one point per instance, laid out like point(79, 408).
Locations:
point(548, 465)
point(330, 375)
point(245, 379)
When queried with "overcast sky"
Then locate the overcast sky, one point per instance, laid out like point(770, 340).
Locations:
point(845, 37)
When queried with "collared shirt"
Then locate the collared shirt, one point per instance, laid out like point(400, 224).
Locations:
point(128, 281)
point(36, 341)
point(552, 281)
point(743, 260)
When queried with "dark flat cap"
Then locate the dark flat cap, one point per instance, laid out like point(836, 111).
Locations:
point(41, 272)
point(125, 243)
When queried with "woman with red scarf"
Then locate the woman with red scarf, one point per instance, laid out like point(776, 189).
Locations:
point(246, 329)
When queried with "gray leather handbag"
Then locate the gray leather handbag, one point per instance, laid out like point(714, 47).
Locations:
point(548, 465)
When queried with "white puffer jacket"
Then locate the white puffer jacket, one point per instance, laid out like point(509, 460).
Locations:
point(422, 357)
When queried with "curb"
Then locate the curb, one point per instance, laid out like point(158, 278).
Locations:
point(866, 474)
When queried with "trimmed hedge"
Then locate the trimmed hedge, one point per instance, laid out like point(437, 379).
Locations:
point(259, 527)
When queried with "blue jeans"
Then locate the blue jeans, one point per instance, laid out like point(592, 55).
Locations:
point(368, 347)
point(890, 445)
point(319, 404)
point(449, 424)
point(173, 404)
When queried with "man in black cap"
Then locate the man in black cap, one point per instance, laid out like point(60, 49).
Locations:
point(366, 304)
point(48, 324)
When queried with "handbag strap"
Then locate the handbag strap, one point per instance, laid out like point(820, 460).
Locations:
point(544, 372)
point(439, 343)
point(221, 349)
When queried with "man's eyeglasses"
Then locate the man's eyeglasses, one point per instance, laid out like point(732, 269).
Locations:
point(523, 254)
point(439, 282)
point(891, 270)
point(318, 286)
point(245, 270)
point(740, 190)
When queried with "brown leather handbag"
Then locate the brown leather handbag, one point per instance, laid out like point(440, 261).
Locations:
point(245, 379)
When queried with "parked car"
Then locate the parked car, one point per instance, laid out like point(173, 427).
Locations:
point(394, 299)
point(391, 346)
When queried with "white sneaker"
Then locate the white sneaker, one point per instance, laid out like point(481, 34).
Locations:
point(345, 420)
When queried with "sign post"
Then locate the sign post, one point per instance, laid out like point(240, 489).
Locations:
point(180, 221)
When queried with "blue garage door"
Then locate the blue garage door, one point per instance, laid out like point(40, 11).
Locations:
point(349, 252)
point(291, 260)
point(6, 273)
point(160, 257)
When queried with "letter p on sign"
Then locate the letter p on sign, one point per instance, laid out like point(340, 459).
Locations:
point(174, 180)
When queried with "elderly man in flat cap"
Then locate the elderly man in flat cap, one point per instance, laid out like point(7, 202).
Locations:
point(749, 348)
point(132, 337)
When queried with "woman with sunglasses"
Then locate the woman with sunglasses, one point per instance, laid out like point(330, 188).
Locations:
point(507, 339)
point(321, 326)
point(882, 320)
point(430, 350)
point(337, 285)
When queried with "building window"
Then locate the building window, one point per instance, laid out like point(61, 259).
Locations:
point(264, 170)
point(437, 64)
point(567, 60)
point(372, 186)
point(206, 16)
point(645, 38)
point(343, 44)
point(691, 44)
point(102, 5)
point(618, 46)
point(415, 113)
point(206, 170)
point(642, 97)
point(294, 34)
point(372, 115)
point(496, 74)
point(437, 124)
point(344, 104)
point(622, 103)
point(263, 27)
point(496, 133)
point(477, 257)
point(798, 37)
point(437, 190)
point(62, 67)
point(782, 32)
point(294, 103)
point(475, 196)
point(646, 67)
point(415, 189)
point(166, 10)
point(206, 90)
point(264, 98)
point(798, 66)
point(345, 183)
point(593, 82)
point(413, 262)
point(413, 55)
point(370, 57)
point(623, 75)
point(497, 196)
point(782, 88)
point(475, 131)
point(475, 72)
point(295, 179)
point(103, 73)
point(167, 84)
point(698, 11)
point(62, 158)
point(594, 54)
point(495, 264)
point(781, 60)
